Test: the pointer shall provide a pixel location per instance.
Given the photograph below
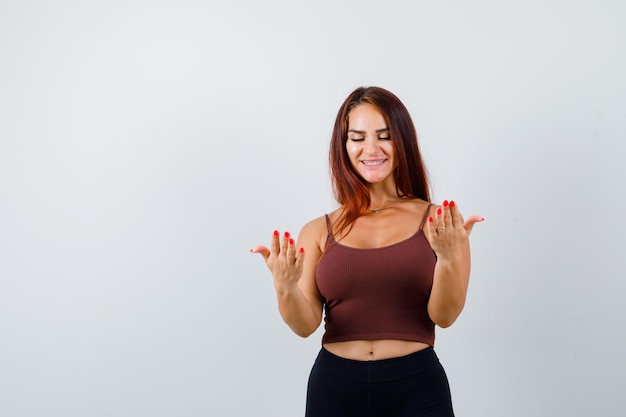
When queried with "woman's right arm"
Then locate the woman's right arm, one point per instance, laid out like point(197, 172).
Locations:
point(293, 269)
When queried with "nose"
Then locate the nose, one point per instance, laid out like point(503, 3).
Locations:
point(371, 146)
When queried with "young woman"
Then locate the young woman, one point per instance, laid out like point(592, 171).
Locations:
point(382, 270)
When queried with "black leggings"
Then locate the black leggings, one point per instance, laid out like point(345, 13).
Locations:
point(412, 385)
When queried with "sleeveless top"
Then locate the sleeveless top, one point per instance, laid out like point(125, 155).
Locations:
point(378, 293)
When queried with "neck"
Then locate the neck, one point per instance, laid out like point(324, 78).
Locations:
point(377, 205)
point(382, 195)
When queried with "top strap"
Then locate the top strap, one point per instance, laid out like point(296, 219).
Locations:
point(425, 215)
point(328, 226)
point(330, 239)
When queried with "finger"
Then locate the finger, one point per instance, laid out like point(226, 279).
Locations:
point(455, 213)
point(299, 258)
point(447, 216)
point(430, 227)
point(284, 243)
point(265, 252)
point(470, 222)
point(274, 244)
point(291, 249)
point(439, 221)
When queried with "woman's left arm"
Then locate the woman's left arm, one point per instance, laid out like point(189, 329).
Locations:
point(448, 235)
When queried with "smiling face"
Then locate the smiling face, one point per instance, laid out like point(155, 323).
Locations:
point(369, 145)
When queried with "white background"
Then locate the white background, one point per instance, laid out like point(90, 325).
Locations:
point(146, 146)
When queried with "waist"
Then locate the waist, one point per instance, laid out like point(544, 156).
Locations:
point(420, 363)
point(373, 350)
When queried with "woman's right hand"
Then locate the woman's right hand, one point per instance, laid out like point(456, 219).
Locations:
point(283, 260)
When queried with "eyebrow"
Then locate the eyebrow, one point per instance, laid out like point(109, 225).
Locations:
point(362, 132)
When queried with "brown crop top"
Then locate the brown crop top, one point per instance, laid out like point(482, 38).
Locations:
point(379, 293)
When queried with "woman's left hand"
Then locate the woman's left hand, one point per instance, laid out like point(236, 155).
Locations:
point(448, 236)
point(447, 231)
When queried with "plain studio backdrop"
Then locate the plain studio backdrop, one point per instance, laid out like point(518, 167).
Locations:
point(146, 146)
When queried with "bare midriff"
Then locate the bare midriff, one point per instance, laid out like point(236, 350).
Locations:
point(372, 350)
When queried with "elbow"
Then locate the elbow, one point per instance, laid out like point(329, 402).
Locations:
point(445, 322)
point(304, 331)
point(446, 317)
point(304, 334)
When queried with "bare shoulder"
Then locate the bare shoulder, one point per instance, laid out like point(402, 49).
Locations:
point(419, 206)
point(315, 227)
point(315, 232)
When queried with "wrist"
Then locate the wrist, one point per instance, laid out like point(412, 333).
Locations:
point(285, 289)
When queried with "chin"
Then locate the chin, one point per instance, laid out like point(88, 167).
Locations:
point(374, 180)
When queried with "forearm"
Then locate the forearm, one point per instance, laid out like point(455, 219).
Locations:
point(449, 291)
point(297, 311)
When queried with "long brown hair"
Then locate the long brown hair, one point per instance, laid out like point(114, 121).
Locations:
point(349, 188)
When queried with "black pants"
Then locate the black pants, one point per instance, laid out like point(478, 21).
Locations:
point(412, 385)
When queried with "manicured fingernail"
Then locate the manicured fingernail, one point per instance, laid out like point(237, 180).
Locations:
point(452, 203)
point(481, 219)
point(287, 234)
point(430, 219)
point(301, 250)
point(275, 232)
point(291, 241)
point(439, 210)
point(445, 203)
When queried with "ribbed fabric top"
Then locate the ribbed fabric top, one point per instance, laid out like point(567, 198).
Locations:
point(379, 293)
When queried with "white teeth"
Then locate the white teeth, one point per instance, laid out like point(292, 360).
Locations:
point(380, 161)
